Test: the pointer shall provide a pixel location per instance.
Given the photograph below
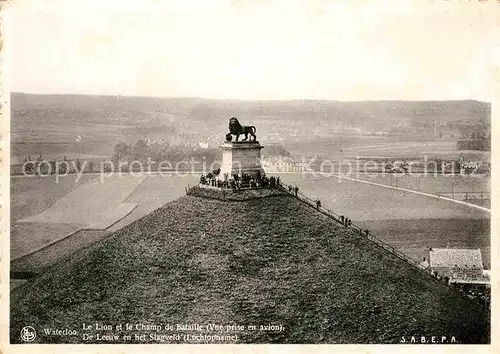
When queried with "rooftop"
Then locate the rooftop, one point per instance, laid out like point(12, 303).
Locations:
point(451, 257)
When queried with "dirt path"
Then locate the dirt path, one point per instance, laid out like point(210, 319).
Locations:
point(417, 192)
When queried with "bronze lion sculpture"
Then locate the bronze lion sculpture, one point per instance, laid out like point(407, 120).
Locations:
point(235, 128)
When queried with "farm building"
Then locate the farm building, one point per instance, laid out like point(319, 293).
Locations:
point(456, 264)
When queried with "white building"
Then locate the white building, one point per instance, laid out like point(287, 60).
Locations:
point(456, 264)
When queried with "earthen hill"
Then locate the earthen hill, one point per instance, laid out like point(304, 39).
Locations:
point(272, 260)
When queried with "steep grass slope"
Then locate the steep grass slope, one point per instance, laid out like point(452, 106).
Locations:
point(264, 261)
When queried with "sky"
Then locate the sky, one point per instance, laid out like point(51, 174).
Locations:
point(255, 49)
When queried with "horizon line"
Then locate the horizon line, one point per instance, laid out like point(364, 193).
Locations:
point(249, 100)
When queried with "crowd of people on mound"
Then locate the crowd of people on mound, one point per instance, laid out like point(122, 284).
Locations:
point(239, 181)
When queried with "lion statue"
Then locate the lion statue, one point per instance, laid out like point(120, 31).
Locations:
point(235, 128)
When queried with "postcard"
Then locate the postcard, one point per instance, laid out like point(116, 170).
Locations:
point(243, 173)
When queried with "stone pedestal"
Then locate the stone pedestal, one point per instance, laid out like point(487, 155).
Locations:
point(241, 157)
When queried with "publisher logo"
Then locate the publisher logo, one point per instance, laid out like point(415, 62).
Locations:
point(28, 334)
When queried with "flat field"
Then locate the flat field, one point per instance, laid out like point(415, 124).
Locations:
point(409, 222)
point(33, 195)
point(412, 223)
point(46, 211)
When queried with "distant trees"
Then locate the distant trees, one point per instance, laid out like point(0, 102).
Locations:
point(477, 140)
point(121, 152)
point(141, 151)
point(478, 135)
point(274, 150)
point(78, 165)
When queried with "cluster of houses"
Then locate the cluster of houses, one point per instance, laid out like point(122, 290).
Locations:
point(463, 269)
point(458, 265)
point(282, 164)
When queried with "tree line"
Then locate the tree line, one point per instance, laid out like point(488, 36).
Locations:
point(141, 151)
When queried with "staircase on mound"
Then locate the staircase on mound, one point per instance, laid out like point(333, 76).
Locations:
point(245, 194)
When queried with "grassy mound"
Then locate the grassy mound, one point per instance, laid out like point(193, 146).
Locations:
point(267, 261)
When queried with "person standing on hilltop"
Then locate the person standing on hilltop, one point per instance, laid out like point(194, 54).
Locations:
point(296, 190)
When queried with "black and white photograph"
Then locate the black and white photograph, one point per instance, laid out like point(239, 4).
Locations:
point(248, 172)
